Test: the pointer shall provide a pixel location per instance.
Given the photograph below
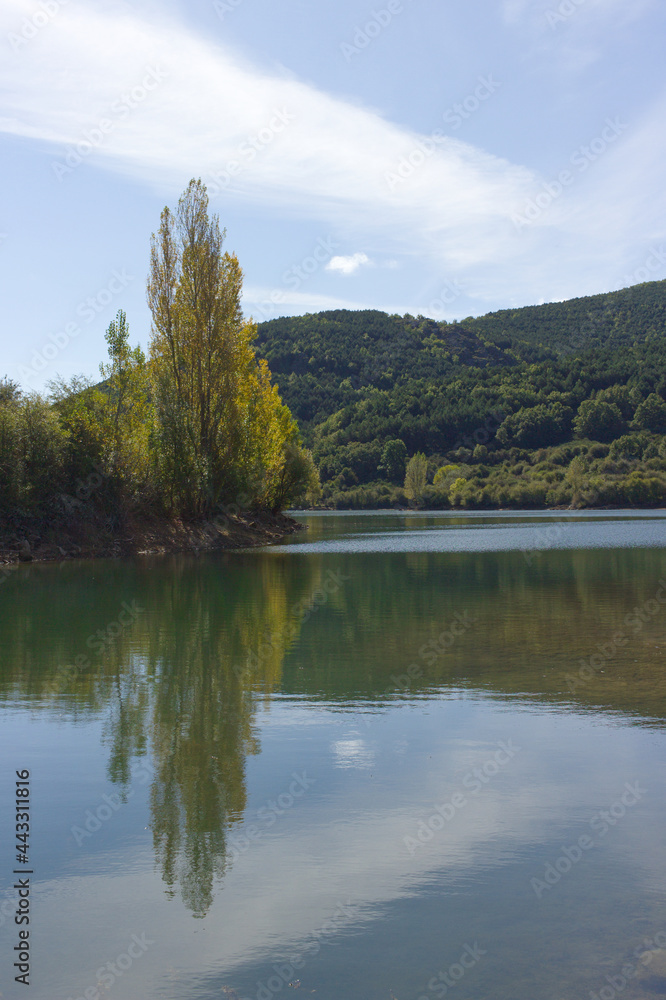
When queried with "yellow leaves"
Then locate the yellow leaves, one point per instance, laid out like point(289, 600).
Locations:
point(445, 475)
point(415, 477)
point(221, 424)
point(455, 493)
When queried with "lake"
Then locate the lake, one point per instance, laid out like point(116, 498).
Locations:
point(400, 756)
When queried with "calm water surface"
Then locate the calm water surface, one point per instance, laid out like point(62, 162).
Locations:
point(398, 756)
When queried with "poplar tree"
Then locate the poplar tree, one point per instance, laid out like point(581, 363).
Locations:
point(222, 430)
point(415, 477)
point(127, 409)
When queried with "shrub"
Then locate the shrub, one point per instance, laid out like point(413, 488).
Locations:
point(651, 414)
point(599, 420)
point(536, 426)
point(456, 492)
point(445, 475)
point(557, 496)
point(640, 489)
point(529, 494)
point(629, 446)
point(32, 454)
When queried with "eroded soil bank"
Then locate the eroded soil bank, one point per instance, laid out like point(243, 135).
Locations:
point(46, 540)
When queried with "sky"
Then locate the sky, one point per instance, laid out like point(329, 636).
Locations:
point(437, 157)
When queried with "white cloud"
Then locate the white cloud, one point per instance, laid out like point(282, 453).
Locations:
point(348, 265)
point(352, 753)
point(265, 139)
point(266, 303)
point(274, 142)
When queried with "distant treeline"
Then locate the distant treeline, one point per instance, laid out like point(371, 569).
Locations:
point(546, 405)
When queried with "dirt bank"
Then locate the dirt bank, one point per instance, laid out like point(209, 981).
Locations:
point(45, 540)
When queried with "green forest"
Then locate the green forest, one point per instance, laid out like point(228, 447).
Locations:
point(194, 429)
point(554, 405)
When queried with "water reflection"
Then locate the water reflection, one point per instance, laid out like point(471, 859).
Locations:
point(180, 679)
point(177, 656)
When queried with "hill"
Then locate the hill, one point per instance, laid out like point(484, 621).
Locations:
point(321, 361)
point(494, 397)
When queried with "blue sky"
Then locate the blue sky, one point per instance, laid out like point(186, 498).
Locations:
point(424, 156)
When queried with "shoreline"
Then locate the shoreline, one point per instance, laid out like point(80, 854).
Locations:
point(49, 541)
point(474, 510)
point(38, 542)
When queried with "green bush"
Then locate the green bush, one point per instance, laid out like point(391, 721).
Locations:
point(651, 414)
point(640, 489)
point(629, 446)
point(599, 420)
point(536, 426)
point(33, 449)
point(11, 473)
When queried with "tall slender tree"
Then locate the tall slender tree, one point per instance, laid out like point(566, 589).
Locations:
point(127, 410)
point(415, 477)
point(222, 429)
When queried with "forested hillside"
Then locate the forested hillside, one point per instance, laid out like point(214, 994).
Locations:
point(615, 319)
point(321, 361)
point(504, 402)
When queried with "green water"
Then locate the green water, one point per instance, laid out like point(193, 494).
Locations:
point(358, 764)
